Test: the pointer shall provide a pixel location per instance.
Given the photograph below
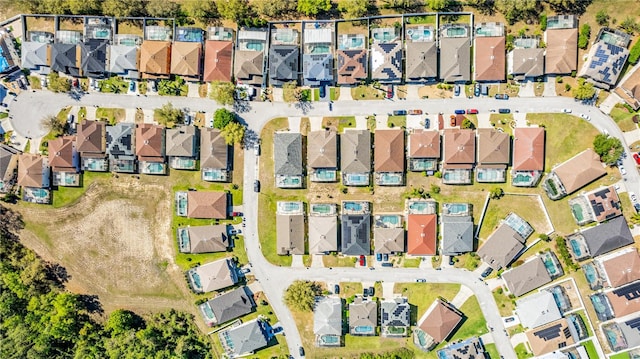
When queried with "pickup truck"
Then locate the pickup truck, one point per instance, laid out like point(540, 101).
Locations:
point(502, 96)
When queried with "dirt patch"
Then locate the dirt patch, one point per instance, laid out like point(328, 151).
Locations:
point(432, 91)
point(115, 243)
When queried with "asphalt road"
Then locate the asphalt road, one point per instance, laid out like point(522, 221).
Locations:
point(29, 108)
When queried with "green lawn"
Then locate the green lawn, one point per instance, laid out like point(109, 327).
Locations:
point(338, 261)
point(623, 118)
point(334, 93)
point(469, 261)
point(492, 351)
point(411, 262)
point(522, 352)
point(339, 123)
point(397, 121)
point(367, 93)
point(65, 196)
point(474, 324)
point(422, 295)
point(34, 82)
point(505, 304)
point(427, 20)
point(618, 356)
point(82, 114)
point(111, 115)
point(526, 207)
point(583, 315)
point(591, 349)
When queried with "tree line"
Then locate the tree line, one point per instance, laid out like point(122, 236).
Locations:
point(40, 319)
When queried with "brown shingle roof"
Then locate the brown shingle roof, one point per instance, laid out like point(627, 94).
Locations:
point(149, 140)
point(441, 321)
point(421, 234)
point(30, 170)
point(290, 234)
point(490, 58)
point(459, 146)
point(61, 151)
point(526, 277)
point(248, 66)
point(528, 149)
point(352, 66)
point(580, 170)
point(623, 269)
point(214, 151)
point(155, 59)
point(494, 147)
point(389, 150)
point(185, 58)
point(91, 137)
point(206, 205)
point(218, 61)
point(424, 144)
point(322, 149)
point(562, 51)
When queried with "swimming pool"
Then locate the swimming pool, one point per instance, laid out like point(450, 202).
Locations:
point(321, 208)
point(183, 239)
point(323, 174)
point(590, 274)
point(363, 329)
point(390, 220)
point(357, 179)
point(4, 64)
point(330, 339)
point(290, 206)
point(575, 246)
point(353, 206)
point(155, 167)
point(40, 193)
point(418, 206)
point(456, 208)
point(390, 178)
point(255, 46)
point(456, 32)
point(420, 35)
point(212, 175)
point(195, 278)
point(522, 178)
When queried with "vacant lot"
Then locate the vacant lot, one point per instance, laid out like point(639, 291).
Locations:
point(527, 207)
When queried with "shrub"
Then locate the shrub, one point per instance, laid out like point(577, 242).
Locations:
point(543, 22)
point(634, 53)
point(583, 38)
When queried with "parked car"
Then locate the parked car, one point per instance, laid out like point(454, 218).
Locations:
point(633, 197)
point(256, 149)
point(456, 90)
point(256, 186)
point(365, 292)
point(336, 289)
point(504, 110)
point(636, 157)
point(70, 118)
point(362, 260)
point(301, 350)
point(421, 280)
point(236, 214)
point(501, 96)
point(387, 264)
point(245, 270)
point(372, 291)
point(566, 110)
point(585, 116)
point(154, 86)
point(622, 170)
point(43, 82)
point(132, 86)
point(510, 319)
point(476, 90)
point(399, 112)
point(472, 111)
point(637, 207)
point(459, 112)
point(379, 257)
point(486, 272)
point(451, 262)
point(235, 231)
point(427, 123)
point(385, 257)
point(415, 112)
point(323, 92)
point(390, 91)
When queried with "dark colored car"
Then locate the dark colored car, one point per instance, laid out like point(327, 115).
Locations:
point(379, 257)
point(486, 272)
point(385, 257)
point(459, 112)
point(637, 207)
point(387, 264)
point(256, 186)
point(504, 110)
point(132, 86)
point(365, 292)
point(502, 96)
point(476, 90)
point(399, 113)
point(372, 291)
point(451, 262)
point(323, 92)
point(427, 123)
point(421, 280)
point(301, 350)
point(336, 289)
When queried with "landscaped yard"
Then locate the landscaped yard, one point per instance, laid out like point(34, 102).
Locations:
point(368, 93)
point(338, 261)
point(505, 304)
point(111, 115)
point(397, 121)
point(624, 118)
point(511, 90)
point(522, 352)
point(339, 123)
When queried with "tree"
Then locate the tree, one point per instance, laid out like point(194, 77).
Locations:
point(53, 125)
point(634, 53)
point(584, 91)
point(313, 7)
point(629, 25)
point(301, 295)
point(223, 92)
point(608, 148)
point(514, 10)
point(202, 10)
point(543, 21)
point(496, 193)
point(275, 9)
point(233, 133)
point(162, 8)
point(602, 18)
point(353, 8)
point(466, 123)
point(119, 8)
point(235, 10)
point(583, 37)
point(85, 7)
point(168, 115)
point(176, 87)
point(222, 117)
point(485, 7)
point(438, 5)
point(121, 320)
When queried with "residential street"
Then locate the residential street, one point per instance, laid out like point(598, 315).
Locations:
point(29, 108)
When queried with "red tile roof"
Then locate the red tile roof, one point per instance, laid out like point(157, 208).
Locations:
point(528, 149)
point(421, 234)
point(217, 61)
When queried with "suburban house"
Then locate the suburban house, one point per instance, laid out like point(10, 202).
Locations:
point(327, 322)
point(455, 53)
point(528, 156)
point(356, 234)
point(601, 239)
point(323, 228)
point(322, 155)
point(537, 309)
point(363, 317)
point(526, 60)
point(34, 177)
point(246, 338)
point(284, 56)
point(287, 153)
point(91, 143)
point(388, 157)
point(186, 56)
point(203, 239)
point(8, 167)
point(124, 56)
point(228, 306)
point(457, 233)
point(471, 348)
point(386, 55)
point(206, 205)
point(64, 54)
point(290, 228)
point(436, 325)
point(182, 147)
point(624, 300)
point(424, 150)
point(352, 59)
point(213, 276)
point(459, 156)
point(489, 52)
point(249, 56)
point(526, 277)
point(120, 147)
point(218, 54)
point(317, 58)
point(388, 234)
point(599, 205)
point(494, 151)
point(64, 162)
point(622, 267)
point(155, 59)
point(35, 52)
point(355, 157)
point(561, 38)
point(214, 156)
point(421, 53)
point(502, 247)
point(395, 317)
point(421, 234)
point(573, 174)
point(606, 58)
point(150, 149)
point(551, 337)
point(629, 90)
point(93, 56)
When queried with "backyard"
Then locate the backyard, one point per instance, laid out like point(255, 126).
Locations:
point(624, 118)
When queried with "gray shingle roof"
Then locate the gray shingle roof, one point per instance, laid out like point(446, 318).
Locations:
point(283, 63)
point(455, 59)
point(327, 316)
point(363, 313)
point(290, 234)
point(323, 234)
point(207, 239)
point(386, 61)
point(527, 277)
point(123, 59)
point(64, 59)
point(181, 141)
point(356, 233)
point(526, 62)
point(389, 240)
point(317, 68)
point(249, 337)
point(608, 236)
point(457, 234)
point(287, 153)
point(355, 151)
point(229, 306)
point(8, 164)
point(34, 54)
point(502, 246)
point(422, 60)
point(322, 149)
point(120, 140)
point(94, 57)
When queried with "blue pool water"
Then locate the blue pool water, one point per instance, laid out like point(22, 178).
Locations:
point(352, 206)
point(416, 35)
point(598, 305)
point(457, 208)
point(363, 329)
point(155, 167)
point(576, 247)
point(418, 206)
point(40, 193)
point(4, 65)
point(590, 273)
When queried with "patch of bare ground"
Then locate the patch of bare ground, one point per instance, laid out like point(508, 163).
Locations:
point(115, 242)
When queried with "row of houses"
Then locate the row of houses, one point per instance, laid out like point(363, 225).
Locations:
point(350, 232)
point(318, 56)
point(487, 151)
point(125, 147)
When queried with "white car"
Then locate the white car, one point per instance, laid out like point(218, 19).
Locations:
point(566, 110)
point(633, 197)
point(586, 117)
point(622, 170)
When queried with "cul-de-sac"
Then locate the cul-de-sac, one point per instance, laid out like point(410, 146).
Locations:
point(362, 179)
